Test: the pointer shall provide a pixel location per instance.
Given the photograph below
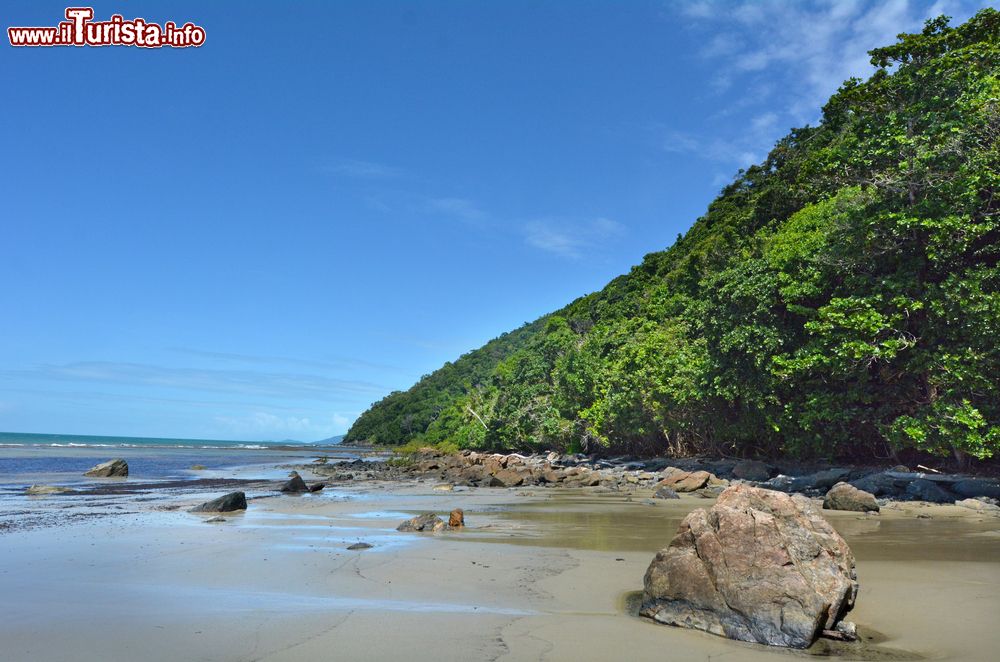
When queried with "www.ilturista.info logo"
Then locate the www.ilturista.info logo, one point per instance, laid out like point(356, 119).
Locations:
point(81, 30)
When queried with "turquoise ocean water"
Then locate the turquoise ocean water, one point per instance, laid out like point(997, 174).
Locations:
point(62, 458)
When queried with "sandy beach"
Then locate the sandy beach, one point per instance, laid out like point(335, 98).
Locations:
point(538, 574)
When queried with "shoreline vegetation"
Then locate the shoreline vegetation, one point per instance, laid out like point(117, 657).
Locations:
point(838, 301)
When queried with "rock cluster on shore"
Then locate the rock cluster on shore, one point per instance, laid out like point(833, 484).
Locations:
point(667, 477)
point(760, 566)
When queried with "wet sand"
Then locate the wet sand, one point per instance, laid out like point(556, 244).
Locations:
point(539, 574)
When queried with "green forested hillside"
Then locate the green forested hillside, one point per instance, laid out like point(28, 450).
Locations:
point(842, 297)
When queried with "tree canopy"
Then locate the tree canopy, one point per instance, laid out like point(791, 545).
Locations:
point(842, 297)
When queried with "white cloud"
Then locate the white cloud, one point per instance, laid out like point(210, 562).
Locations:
point(361, 169)
point(570, 240)
point(787, 57)
point(461, 208)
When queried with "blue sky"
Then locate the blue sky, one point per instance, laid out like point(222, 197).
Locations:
point(258, 238)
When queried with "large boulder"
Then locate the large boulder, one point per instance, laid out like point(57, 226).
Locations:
point(507, 478)
point(117, 468)
point(224, 504)
point(752, 470)
point(760, 566)
point(428, 522)
point(844, 496)
point(685, 481)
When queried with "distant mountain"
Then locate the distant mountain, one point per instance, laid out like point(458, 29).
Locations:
point(329, 441)
point(840, 298)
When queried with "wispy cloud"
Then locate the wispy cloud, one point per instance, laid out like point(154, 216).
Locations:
point(336, 363)
point(264, 424)
point(787, 57)
point(361, 169)
point(460, 208)
point(244, 382)
point(570, 240)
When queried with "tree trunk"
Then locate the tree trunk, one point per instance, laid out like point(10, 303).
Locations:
point(961, 459)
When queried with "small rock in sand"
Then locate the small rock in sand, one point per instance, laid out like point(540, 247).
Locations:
point(317, 487)
point(979, 506)
point(197, 467)
point(664, 492)
point(111, 469)
point(215, 520)
point(444, 487)
point(457, 519)
point(41, 490)
point(360, 545)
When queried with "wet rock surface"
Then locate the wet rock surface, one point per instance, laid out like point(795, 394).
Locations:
point(224, 504)
point(428, 522)
point(295, 485)
point(759, 566)
point(117, 468)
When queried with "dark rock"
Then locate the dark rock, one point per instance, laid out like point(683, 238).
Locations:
point(819, 481)
point(110, 469)
point(427, 522)
point(925, 490)
point(456, 519)
point(664, 492)
point(760, 566)
point(721, 467)
point(844, 496)
point(753, 470)
point(317, 487)
point(974, 487)
point(709, 491)
point(295, 484)
point(359, 545)
point(224, 504)
point(882, 485)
